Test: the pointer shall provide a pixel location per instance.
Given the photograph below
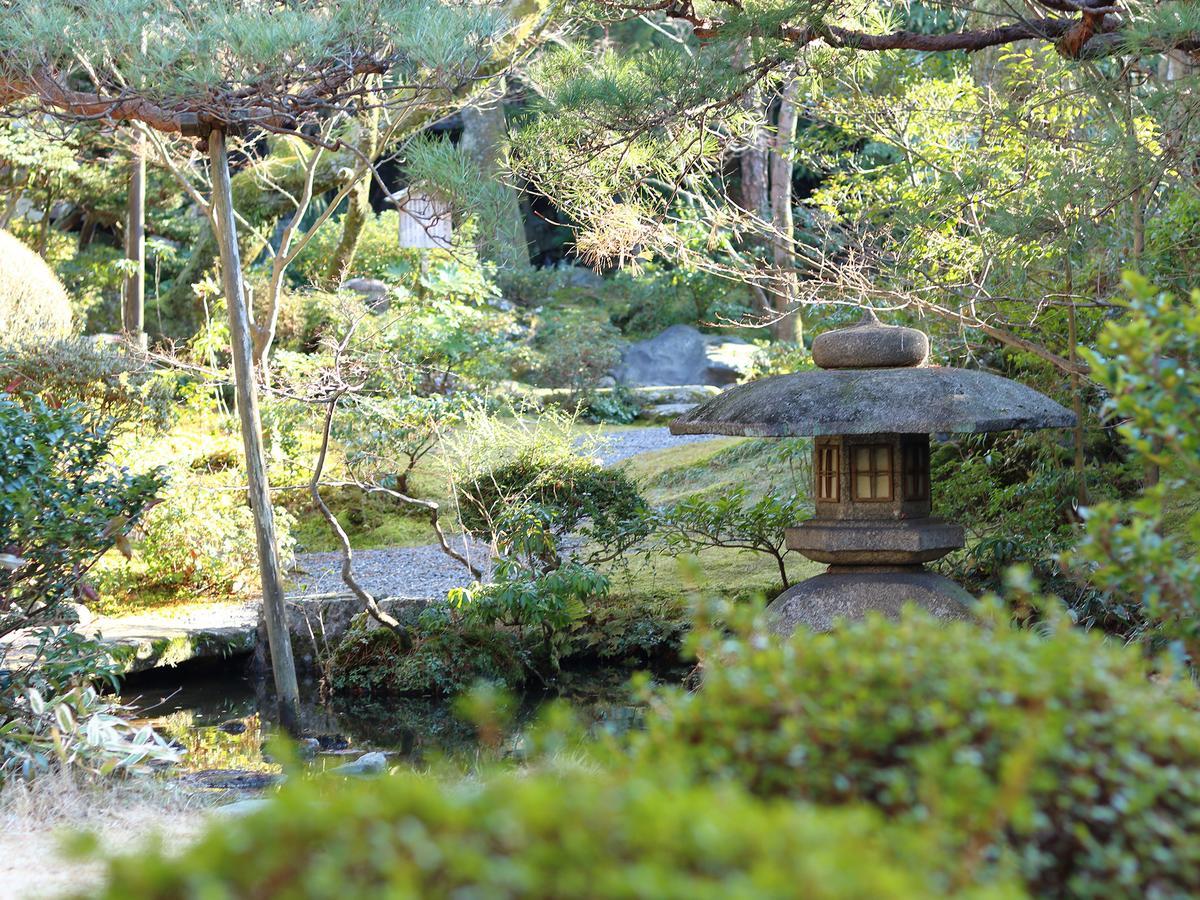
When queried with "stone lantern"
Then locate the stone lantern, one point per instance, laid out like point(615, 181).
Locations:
point(870, 409)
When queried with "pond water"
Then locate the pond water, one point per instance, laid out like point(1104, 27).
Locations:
point(223, 720)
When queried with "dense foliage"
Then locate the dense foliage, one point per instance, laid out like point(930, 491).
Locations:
point(544, 836)
point(1055, 750)
point(63, 504)
point(33, 303)
point(1147, 549)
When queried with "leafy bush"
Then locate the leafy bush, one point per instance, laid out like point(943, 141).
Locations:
point(93, 278)
point(105, 378)
point(446, 658)
point(385, 436)
point(543, 836)
point(1055, 749)
point(63, 504)
point(525, 507)
point(308, 317)
point(574, 350)
point(732, 519)
point(1149, 363)
point(522, 487)
point(657, 296)
point(524, 598)
point(560, 490)
point(33, 303)
point(75, 728)
point(196, 544)
point(1016, 496)
point(377, 252)
point(780, 358)
point(448, 342)
point(615, 406)
point(453, 274)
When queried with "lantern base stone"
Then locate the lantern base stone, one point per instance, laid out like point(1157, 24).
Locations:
point(848, 592)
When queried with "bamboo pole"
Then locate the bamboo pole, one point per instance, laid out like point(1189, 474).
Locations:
point(282, 664)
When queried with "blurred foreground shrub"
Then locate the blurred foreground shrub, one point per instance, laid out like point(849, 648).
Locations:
point(1058, 750)
point(542, 836)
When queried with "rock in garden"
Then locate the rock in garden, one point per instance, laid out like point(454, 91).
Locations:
point(682, 355)
point(241, 807)
point(374, 291)
point(368, 764)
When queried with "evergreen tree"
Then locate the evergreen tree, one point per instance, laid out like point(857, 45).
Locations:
point(240, 69)
point(966, 155)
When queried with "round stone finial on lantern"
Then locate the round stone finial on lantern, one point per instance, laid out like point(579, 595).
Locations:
point(869, 344)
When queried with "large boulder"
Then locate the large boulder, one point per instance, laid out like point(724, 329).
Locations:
point(682, 355)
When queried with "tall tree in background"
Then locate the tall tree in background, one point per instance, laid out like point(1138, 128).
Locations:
point(484, 139)
point(940, 181)
point(133, 291)
point(226, 70)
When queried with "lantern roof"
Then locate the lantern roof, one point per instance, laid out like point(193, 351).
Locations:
point(874, 380)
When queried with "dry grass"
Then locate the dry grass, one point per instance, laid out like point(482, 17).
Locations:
point(38, 818)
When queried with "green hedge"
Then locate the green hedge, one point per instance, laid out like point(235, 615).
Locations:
point(541, 836)
point(1057, 748)
point(33, 302)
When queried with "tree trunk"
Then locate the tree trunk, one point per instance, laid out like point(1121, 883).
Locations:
point(282, 663)
point(484, 132)
point(133, 307)
point(44, 233)
point(358, 209)
point(1081, 491)
point(787, 325)
point(87, 232)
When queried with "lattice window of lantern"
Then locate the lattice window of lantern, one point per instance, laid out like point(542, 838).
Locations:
point(828, 475)
point(871, 472)
point(916, 470)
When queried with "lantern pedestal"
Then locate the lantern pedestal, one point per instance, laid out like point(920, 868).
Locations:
point(850, 592)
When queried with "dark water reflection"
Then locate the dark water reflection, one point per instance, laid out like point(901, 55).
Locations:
point(223, 719)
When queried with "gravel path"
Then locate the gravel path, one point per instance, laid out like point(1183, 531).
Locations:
point(620, 445)
point(411, 572)
point(422, 572)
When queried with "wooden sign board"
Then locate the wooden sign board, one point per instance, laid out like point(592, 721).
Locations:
point(425, 221)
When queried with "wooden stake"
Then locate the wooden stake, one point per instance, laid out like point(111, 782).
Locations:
point(133, 307)
point(1081, 491)
point(282, 663)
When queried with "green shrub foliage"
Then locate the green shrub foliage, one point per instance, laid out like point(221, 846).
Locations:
point(63, 504)
point(565, 489)
point(541, 836)
point(106, 378)
point(574, 350)
point(446, 658)
point(33, 303)
point(1057, 750)
point(1144, 551)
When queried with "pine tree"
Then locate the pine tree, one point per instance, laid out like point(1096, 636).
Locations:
point(239, 69)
